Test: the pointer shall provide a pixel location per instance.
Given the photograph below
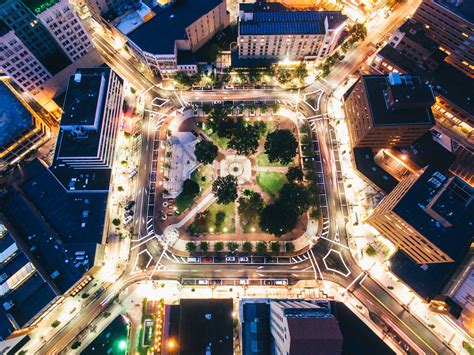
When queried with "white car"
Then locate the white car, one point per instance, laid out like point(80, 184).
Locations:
point(203, 282)
point(229, 259)
point(193, 259)
point(244, 281)
point(244, 259)
point(280, 282)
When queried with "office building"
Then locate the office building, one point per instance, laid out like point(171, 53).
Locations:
point(40, 42)
point(300, 327)
point(428, 216)
point(21, 128)
point(199, 326)
point(418, 53)
point(451, 24)
point(165, 43)
point(271, 30)
point(388, 110)
point(89, 125)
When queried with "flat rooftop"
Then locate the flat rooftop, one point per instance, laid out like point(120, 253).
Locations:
point(84, 96)
point(206, 322)
point(256, 335)
point(411, 91)
point(450, 198)
point(15, 119)
point(455, 86)
point(38, 6)
point(462, 8)
point(276, 19)
point(158, 35)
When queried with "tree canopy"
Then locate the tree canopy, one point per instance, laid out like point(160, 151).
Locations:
point(250, 205)
point(245, 137)
point(225, 189)
point(220, 122)
point(205, 152)
point(277, 219)
point(280, 146)
point(294, 174)
point(190, 187)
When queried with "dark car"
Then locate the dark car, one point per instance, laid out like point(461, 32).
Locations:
point(195, 134)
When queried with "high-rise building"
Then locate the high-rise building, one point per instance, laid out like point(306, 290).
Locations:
point(271, 30)
point(39, 40)
point(388, 110)
point(89, 124)
point(166, 42)
point(428, 216)
point(451, 24)
point(300, 327)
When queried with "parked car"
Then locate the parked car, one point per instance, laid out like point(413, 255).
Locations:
point(244, 259)
point(207, 259)
point(192, 259)
point(281, 282)
point(244, 281)
point(203, 282)
point(229, 259)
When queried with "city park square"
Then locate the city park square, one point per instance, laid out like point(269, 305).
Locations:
point(237, 179)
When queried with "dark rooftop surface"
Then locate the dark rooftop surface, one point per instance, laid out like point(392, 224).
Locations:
point(256, 328)
point(415, 31)
point(412, 93)
point(426, 280)
point(365, 164)
point(185, 57)
point(455, 86)
point(206, 322)
point(455, 204)
point(463, 166)
point(59, 231)
point(83, 97)
point(157, 36)
point(425, 151)
point(14, 117)
point(465, 9)
point(274, 18)
point(38, 6)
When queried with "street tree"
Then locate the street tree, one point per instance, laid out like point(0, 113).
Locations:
point(280, 146)
point(190, 247)
point(225, 189)
point(220, 122)
point(218, 246)
point(283, 75)
point(190, 188)
point(275, 248)
point(205, 152)
point(301, 73)
point(232, 246)
point(277, 219)
point(261, 248)
point(294, 174)
point(290, 247)
point(247, 247)
point(204, 246)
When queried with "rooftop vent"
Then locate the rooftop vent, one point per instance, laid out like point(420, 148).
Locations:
point(394, 78)
point(77, 77)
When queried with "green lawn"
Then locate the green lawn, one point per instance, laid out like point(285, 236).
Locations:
point(221, 142)
point(183, 201)
point(262, 160)
point(203, 176)
point(271, 182)
point(229, 220)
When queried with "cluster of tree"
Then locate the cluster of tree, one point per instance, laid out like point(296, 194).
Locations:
point(225, 189)
point(281, 146)
point(261, 248)
point(295, 199)
point(187, 80)
point(284, 74)
point(243, 136)
point(250, 204)
point(205, 151)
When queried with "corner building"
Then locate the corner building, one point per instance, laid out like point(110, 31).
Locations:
point(273, 31)
point(388, 110)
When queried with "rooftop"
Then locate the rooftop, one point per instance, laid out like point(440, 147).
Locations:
point(213, 319)
point(274, 18)
point(158, 35)
point(442, 209)
point(15, 119)
point(415, 31)
point(256, 328)
point(60, 231)
point(399, 99)
point(365, 164)
point(462, 8)
point(186, 57)
point(38, 6)
point(83, 102)
point(463, 166)
point(455, 86)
